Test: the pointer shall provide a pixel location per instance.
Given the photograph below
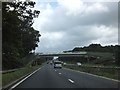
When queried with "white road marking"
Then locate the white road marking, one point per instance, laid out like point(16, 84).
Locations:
point(59, 73)
point(23, 79)
point(71, 81)
point(93, 75)
point(55, 70)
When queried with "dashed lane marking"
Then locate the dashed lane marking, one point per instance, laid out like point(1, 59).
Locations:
point(71, 81)
point(59, 73)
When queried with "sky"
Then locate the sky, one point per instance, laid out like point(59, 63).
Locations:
point(65, 24)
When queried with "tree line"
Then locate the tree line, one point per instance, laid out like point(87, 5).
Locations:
point(19, 38)
point(97, 48)
point(115, 49)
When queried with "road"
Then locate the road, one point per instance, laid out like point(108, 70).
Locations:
point(48, 77)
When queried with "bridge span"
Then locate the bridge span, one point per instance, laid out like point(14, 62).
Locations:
point(75, 54)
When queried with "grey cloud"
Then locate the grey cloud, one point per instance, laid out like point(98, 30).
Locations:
point(63, 22)
point(78, 30)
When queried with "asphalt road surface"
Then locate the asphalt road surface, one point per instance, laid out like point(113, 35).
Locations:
point(48, 77)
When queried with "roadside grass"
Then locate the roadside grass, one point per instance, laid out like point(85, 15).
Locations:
point(103, 58)
point(12, 76)
point(102, 55)
point(110, 73)
point(101, 65)
point(0, 80)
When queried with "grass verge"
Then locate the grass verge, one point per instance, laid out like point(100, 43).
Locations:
point(110, 73)
point(0, 80)
point(10, 77)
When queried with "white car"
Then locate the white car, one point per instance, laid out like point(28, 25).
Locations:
point(79, 64)
point(57, 64)
point(64, 63)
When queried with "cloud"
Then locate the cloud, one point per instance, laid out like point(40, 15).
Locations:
point(72, 7)
point(65, 25)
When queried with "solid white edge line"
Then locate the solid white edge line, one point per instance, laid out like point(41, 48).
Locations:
point(94, 75)
point(24, 79)
point(71, 80)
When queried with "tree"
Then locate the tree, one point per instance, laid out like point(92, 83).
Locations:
point(19, 37)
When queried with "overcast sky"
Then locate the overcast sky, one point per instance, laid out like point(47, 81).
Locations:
point(65, 24)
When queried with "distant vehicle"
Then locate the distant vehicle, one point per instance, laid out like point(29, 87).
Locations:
point(79, 64)
point(57, 64)
point(64, 63)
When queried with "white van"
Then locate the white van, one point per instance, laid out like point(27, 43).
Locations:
point(57, 64)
